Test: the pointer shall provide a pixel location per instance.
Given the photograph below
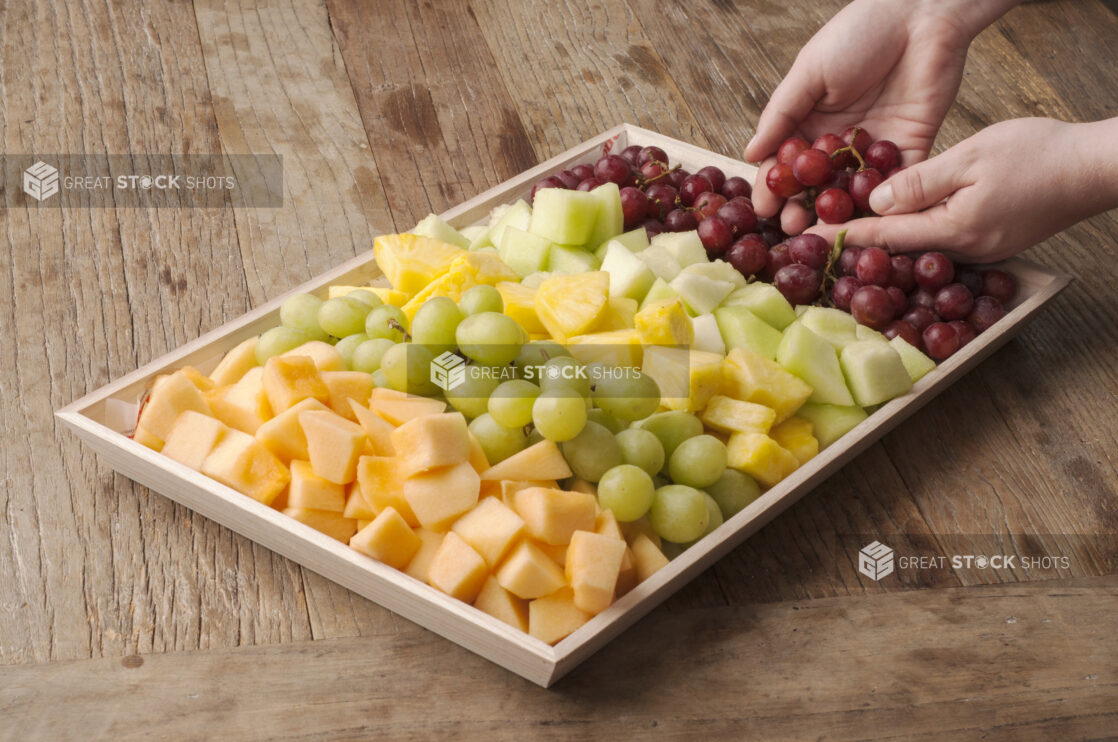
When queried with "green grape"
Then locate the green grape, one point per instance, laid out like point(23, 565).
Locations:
point(380, 381)
point(714, 514)
point(490, 338)
point(348, 344)
point(698, 461)
point(368, 355)
point(626, 490)
point(472, 396)
point(565, 372)
point(605, 419)
point(535, 437)
point(365, 297)
point(559, 414)
point(277, 341)
point(535, 354)
point(434, 324)
point(672, 428)
point(592, 452)
point(641, 449)
point(498, 442)
point(341, 316)
point(733, 491)
point(387, 321)
point(300, 312)
point(626, 393)
point(511, 403)
point(407, 368)
point(679, 513)
point(671, 550)
point(481, 299)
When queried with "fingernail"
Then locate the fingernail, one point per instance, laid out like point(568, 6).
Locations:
point(881, 199)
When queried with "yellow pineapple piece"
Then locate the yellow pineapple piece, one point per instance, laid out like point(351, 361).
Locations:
point(735, 416)
point(376, 428)
point(170, 396)
point(309, 490)
point(390, 296)
point(753, 378)
point(552, 515)
point(665, 322)
point(387, 539)
point(530, 573)
point(520, 304)
point(502, 605)
point(243, 463)
point(290, 380)
point(541, 460)
point(235, 363)
point(334, 444)
point(687, 378)
point(797, 435)
point(760, 457)
point(420, 564)
point(457, 569)
point(613, 348)
point(491, 528)
point(432, 441)
point(465, 272)
point(410, 261)
point(332, 523)
point(555, 616)
point(570, 305)
point(192, 438)
point(620, 313)
point(647, 557)
point(346, 386)
point(439, 496)
point(383, 486)
point(284, 436)
point(592, 567)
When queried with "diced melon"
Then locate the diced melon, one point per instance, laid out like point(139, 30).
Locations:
point(572, 305)
point(874, 372)
point(566, 260)
point(634, 240)
point(615, 348)
point(592, 567)
point(718, 270)
point(605, 523)
point(170, 396)
point(197, 378)
point(765, 301)
point(752, 378)
point(610, 219)
point(473, 231)
point(829, 422)
point(741, 328)
point(916, 363)
point(541, 460)
point(552, 515)
point(628, 275)
point(309, 490)
point(833, 325)
point(145, 437)
point(523, 251)
point(345, 387)
point(477, 457)
point(814, 360)
point(736, 416)
point(387, 539)
point(638, 527)
point(457, 569)
point(399, 407)
point(661, 289)
point(429, 542)
point(333, 524)
point(243, 405)
point(661, 262)
point(700, 294)
point(760, 457)
point(530, 573)
point(708, 338)
point(491, 528)
point(284, 436)
point(356, 506)
point(687, 378)
point(325, 356)
point(518, 216)
point(410, 261)
point(578, 484)
point(520, 304)
point(235, 363)
point(439, 496)
point(289, 380)
point(627, 578)
point(378, 430)
point(434, 227)
point(861, 332)
point(243, 463)
point(665, 322)
point(557, 554)
point(507, 488)
point(797, 434)
point(685, 247)
point(431, 441)
point(555, 616)
point(647, 557)
point(564, 217)
point(334, 444)
point(192, 437)
point(502, 605)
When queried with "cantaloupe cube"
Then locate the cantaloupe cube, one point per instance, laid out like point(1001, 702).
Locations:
point(502, 605)
point(592, 566)
point(795, 434)
point(491, 528)
point(334, 444)
point(647, 557)
point(325, 356)
point(578, 484)
point(192, 438)
point(541, 460)
point(332, 523)
point(362, 523)
point(387, 539)
point(760, 457)
point(420, 564)
point(431, 441)
point(235, 364)
point(606, 524)
point(555, 616)
point(557, 553)
point(736, 416)
point(399, 407)
point(552, 515)
point(198, 379)
point(529, 573)
point(457, 569)
point(310, 491)
point(346, 386)
point(146, 437)
point(439, 496)
point(170, 397)
point(284, 436)
point(640, 527)
point(289, 380)
point(509, 487)
point(356, 506)
point(627, 578)
point(243, 463)
point(381, 484)
point(244, 405)
point(489, 489)
point(376, 428)
point(477, 455)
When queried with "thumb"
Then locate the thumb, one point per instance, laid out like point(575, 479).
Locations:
point(920, 186)
point(927, 230)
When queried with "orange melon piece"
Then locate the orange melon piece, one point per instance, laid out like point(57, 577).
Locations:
point(439, 496)
point(491, 528)
point(198, 379)
point(606, 524)
point(345, 387)
point(457, 569)
point(170, 397)
point(510, 488)
point(383, 487)
point(192, 438)
point(420, 565)
point(431, 441)
point(558, 553)
point(244, 405)
point(502, 605)
point(640, 527)
point(325, 356)
point(243, 463)
point(284, 436)
point(592, 566)
point(356, 506)
point(541, 460)
point(144, 436)
point(235, 363)
point(647, 557)
point(477, 455)
point(333, 524)
point(578, 484)
point(376, 428)
point(552, 515)
point(530, 573)
point(399, 407)
point(309, 490)
point(555, 616)
point(334, 444)
point(387, 539)
point(627, 577)
point(291, 379)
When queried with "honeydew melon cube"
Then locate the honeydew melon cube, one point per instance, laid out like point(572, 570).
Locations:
point(383, 486)
point(916, 363)
point(387, 539)
point(566, 217)
point(685, 247)
point(335, 525)
point(398, 407)
point(736, 416)
point(523, 251)
point(357, 507)
point(718, 270)
point(753, 378)
point(799, 309)
point(555, 616)
point(243, 406)
point(741, 328)
point(647, 557)
point(243, 463)
point(518, 216)
point(687, 378)
point(567, 259)
point(660, 262)
point(592, 566)
point(830, 422)
point(814, 360)
point(491, 527)
point(289, 380)
point(797, 434)
point(610, 219)
point(432, 226)
point(661, 289)
point(699, 293)
point(708, 338)
point(861, 332)
point(502, 605)
point(420, 564)
point(760, 457)
point(171, 396)
point(765, 301)
point(833, 325)
point(552, 515)
point(309, 490)
point(529, 573)
point(235, 363)
point(325, 356)
point(440, 496)
point(456, 568)
point(629, 276)
point(534, 280)
point(192, 437)
point(334, 444)
point(665, 322)
point(538, 461)
point(874, 372)
point(474, 231)
point(634, 240)
point(378, 430)
point(284, 436)
point(431, 441)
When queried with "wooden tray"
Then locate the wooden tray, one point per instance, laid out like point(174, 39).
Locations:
point(104, 418)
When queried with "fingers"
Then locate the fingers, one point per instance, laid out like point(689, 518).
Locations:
point(792, 100)
point(765, 203)
point(926, 230)
point(920, 186)
point(794, 217)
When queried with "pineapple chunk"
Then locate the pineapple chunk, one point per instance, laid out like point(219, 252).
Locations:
point(457, 569)
point(760, 457)
point(333, 524)
point(491, 528)
point(754, 378)
point(243, 463)
point(439, 496)
point(410, 261)
point(325, 356)
point(334, 444)
point(592, 567)
point(735, 416)
point(387, 539)
point(170, 397)
point(431, 441)
point(613, 348)
point(502, 605)
point(345, 387)
point(572, 304)
point(465, 272)
point(665, 322)
point(235, 363)
point(520, 304)
point(552, 515)
point(620, 314)
point(530, 573)
point(192, 438)
point(392, 297)
point(687, 378)
point(555, 616)
point(420, 564)
point(284, 436)
point(797, 435)
point(309, 490)
point(289, 380)
point(383, 487)
point(647, 557)
point(541, 460)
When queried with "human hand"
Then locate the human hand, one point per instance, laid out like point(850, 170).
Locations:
point(892, 67)
point(995, 194)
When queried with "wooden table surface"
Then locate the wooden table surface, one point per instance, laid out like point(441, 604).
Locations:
point(123, 615)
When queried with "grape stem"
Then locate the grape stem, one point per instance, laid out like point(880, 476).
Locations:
point(852, 150)
point(829, 271)
point(397, 326)
point(669, 171)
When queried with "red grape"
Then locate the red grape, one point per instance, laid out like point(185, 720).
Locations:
point(661, 199)
point(999, 284)
point(748, 255)
point(736, 186)
point(739, 214)
point(590, 184)
point(987, 310)
point(933, 271)
point(715, 175)
point(874, 266)
point(843, 291)
point(833, 206)
point(653, 170)
point(716, 235)
point(777, 259)
point(872, 307)
point(858, 138)
point(582, 172)
point(631, 154)
point(900, 301)
point(569, 179)
point(653, 227)
point(862, 184)
point(693, 187)
point(954, 301)
point(940, 340)
point(900, 273)
point(828, 143)
point(791, 147)
point(549, 182)
point(809, 249)
point(882, 155)
point(965, 332)
point(634, 205)
point(770, 230)
point(970, 278)
point(709, 203)
point(652, 154)
point(676, 177)
point(922, 298)
point(681, 220)
point(838, 179)
point(907, 332)
point(848, 261)
point(613, 169)
point(799, 283)
point(782, 181)
point(811, 167)
point(920, 317)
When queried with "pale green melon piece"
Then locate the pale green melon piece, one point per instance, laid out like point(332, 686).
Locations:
point(524, 252)
point(533, 280)
point(685, 247)
point(741, 328)
point(814, 360)
point(629, 276)
point(719, 270)
point(518, 215)
point(868, 333)
point(435, 228)
point(799, 309)
point(488, 249)
point(474, 231)
point(568, 259)
point(660, 290)
point(700, 294)
point(564, 217)
point(707, 335)
point(916, 363)
point(609, 221)
point(662, 263)
point(635, 240)
point(874, 372)
point(830, 421)
point(765, 301)
point(833, 325)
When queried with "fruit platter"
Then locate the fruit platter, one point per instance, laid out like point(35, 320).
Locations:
point(527, 421)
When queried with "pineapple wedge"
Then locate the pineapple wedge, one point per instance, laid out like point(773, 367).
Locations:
point(411, 262)
point(760, 457)
point(753, 378)
point(665, 322)
point(613, 348)
point(572, 304)
point(465, 272)
point(520, 304)
point(688, 379)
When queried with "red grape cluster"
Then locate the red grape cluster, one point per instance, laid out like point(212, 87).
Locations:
point(835, 173)
point(928, 301)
